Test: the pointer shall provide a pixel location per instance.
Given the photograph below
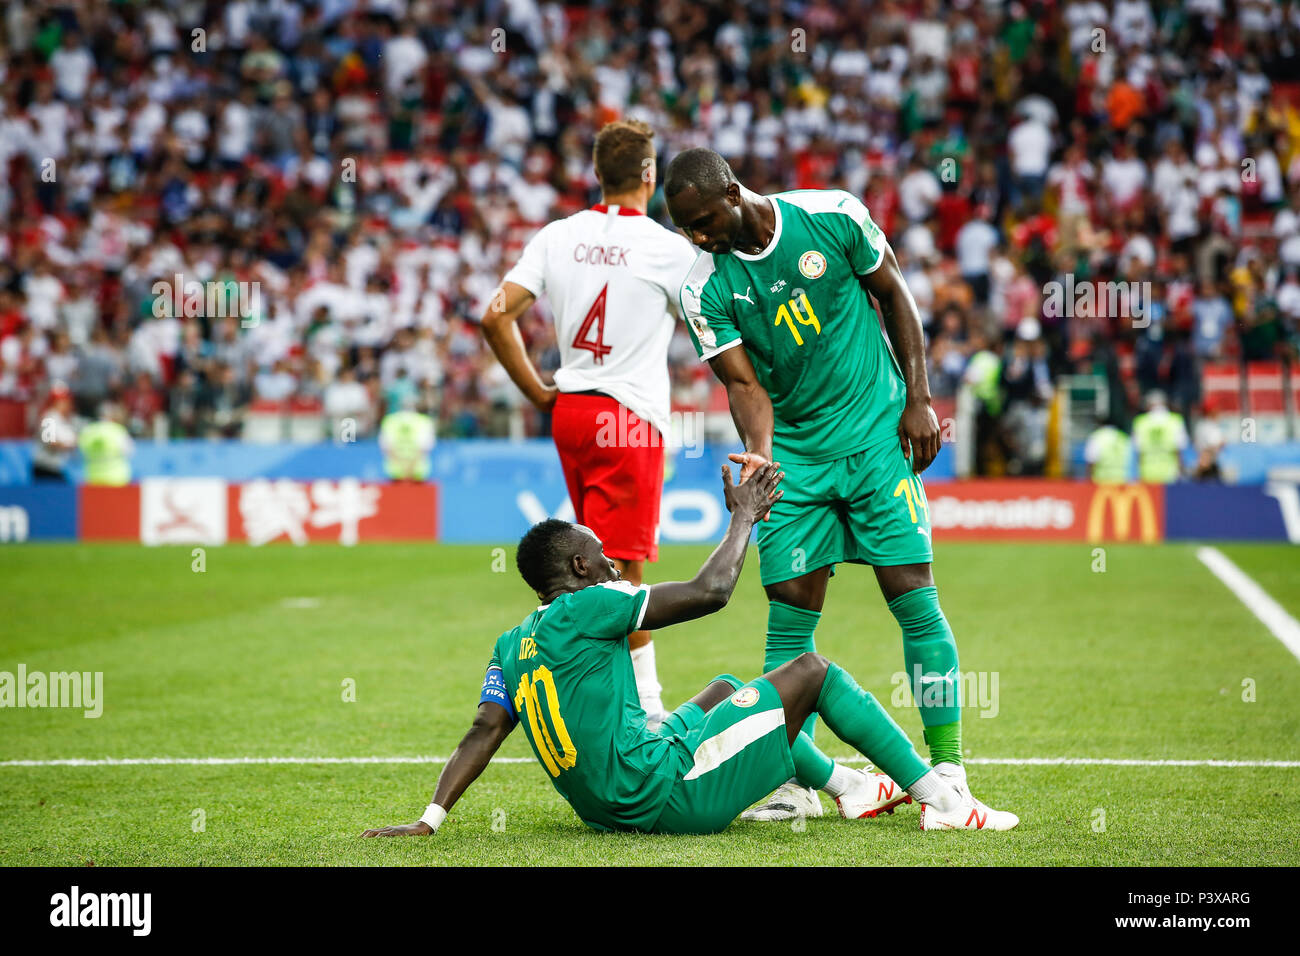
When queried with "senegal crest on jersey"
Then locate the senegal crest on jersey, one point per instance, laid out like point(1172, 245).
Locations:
point(812, 264)
point(745, 697)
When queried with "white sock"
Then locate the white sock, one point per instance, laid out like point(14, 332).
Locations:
point(843, 779)
point(935, 791)
point(648, 687)
point(951, 770)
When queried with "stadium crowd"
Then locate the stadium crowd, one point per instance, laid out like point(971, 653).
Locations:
point(361, 173)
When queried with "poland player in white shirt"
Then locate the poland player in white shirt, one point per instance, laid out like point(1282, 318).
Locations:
point(611, 277)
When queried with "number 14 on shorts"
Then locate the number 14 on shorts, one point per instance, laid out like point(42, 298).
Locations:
point(911, 489)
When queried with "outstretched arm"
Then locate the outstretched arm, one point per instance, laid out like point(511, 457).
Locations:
point(501, 329)
point(918, 428)
point(751, 407)
point(711, 588)
point(492, 725)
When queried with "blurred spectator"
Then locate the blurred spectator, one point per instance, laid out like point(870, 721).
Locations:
point(948, 353)
point(918, 192)
point(1028, 388)
point(1124, 176)
point(1209, 444)
point(1030, 148)
point(56, 437)
point(275, 384)
point(226, 403)
point(346, 399)
point(100, 369)
point(976, 242)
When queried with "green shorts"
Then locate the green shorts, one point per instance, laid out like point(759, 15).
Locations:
point(740, 753)
point(867, 508)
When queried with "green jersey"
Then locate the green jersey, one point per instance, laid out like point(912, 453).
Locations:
point(567, 672)
point(808, 325)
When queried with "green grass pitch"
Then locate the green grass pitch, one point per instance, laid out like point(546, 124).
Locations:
point(1149, 660)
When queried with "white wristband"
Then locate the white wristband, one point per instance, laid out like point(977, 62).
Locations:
point(433, 816)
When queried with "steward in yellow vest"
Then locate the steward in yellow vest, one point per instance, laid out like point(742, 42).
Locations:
point(1107, 452)
point(106, 449)
point(406, 438)
point(1160, 436)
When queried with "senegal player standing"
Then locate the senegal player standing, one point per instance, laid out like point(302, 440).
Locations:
point(779, 304)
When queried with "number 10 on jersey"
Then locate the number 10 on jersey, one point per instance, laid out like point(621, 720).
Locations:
point(553, 742)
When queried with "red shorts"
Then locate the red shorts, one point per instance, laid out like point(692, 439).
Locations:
point(614, 467)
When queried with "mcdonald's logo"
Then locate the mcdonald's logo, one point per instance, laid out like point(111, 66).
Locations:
point(1121, 501)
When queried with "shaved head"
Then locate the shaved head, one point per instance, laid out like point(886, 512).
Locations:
point(558, 556)
point(705, 199)
point(700, 169)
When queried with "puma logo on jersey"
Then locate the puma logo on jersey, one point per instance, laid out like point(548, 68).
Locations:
point(924, 532)
point(737, 295)
point(777, 286)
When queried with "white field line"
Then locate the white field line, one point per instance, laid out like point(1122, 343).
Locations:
point(242, 761)
point(1274, 617)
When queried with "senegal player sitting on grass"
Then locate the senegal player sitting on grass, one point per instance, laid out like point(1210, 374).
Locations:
point(779, 303)
point(566, 674)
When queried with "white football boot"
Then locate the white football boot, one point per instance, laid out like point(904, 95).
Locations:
point(876, 794)
point(788, 802)
point(969, 814)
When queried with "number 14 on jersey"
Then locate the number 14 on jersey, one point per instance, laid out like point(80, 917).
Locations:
point(789, 313)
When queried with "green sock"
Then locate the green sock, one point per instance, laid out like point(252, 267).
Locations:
point(944, 742)
point(930, 655)
point(857, 718)
point(812, 768)
point(789, 634)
